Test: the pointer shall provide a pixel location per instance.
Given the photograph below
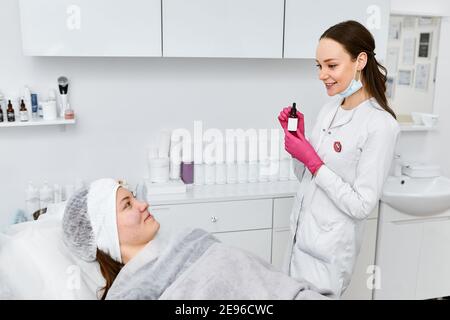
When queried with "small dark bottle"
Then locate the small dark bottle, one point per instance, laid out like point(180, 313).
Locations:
point(10, 112)
point(293, 119)
point(1, 114)
point(23, 112)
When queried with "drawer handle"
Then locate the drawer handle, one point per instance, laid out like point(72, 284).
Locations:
point(214, 219)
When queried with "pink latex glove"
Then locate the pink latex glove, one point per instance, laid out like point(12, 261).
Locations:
point(302, 150)
point(283, 118)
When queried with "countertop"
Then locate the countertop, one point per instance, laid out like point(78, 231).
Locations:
point(228, 192)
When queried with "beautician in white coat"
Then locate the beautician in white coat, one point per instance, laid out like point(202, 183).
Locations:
point(343, 165)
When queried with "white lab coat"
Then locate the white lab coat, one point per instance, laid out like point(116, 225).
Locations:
point(329, 212)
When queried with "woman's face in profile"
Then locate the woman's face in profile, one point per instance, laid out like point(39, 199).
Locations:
point(135, 225)
point(336, 68)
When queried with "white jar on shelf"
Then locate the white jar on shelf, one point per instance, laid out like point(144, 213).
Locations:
point(49, 110)
point(231, 172)
point(199, 174)
point(285, 168)
point(221, 173)
point(264, 169)
point(274, 170)
point(292, 175)
point(242, 172)
point(159, 170)
point(210, 173)
point(253, 169)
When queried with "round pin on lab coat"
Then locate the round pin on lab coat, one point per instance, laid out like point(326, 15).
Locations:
point(337, 146)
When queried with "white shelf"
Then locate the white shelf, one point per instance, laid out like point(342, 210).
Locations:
point(228, 192)
point(38, 122)
point(415, 127)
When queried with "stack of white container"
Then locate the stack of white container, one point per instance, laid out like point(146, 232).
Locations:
point(242, 160)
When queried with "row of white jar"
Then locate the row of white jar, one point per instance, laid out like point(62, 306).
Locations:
point(222, 173)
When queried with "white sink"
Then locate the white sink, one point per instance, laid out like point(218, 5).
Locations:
point(417, 196)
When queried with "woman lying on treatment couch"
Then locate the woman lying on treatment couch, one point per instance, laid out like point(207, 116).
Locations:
point(106, 223)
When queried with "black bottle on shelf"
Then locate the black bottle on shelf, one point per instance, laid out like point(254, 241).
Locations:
point(10, 112)
point(1, 114)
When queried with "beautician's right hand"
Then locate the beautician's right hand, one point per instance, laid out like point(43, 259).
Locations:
point(283, 118)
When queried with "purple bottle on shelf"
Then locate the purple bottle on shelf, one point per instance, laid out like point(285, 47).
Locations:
point(187, 172)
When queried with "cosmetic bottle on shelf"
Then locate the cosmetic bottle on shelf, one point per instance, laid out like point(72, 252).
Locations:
point(231, 165)
point(2, 118)
point(10, 112)
point(69, 114)
point(23, 112)
point(34, 106)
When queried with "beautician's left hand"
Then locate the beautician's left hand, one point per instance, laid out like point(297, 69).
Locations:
point(302, 150)
point(284, 116)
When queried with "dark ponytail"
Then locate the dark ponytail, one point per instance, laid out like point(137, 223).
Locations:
point(355, 38)
point(109, 269)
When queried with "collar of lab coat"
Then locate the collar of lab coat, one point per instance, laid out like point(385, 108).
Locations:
point(327, 122)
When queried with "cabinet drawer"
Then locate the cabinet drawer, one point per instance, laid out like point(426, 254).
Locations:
point(280, 240)
point(217, 216)
point(281, 212)
point(257, 242)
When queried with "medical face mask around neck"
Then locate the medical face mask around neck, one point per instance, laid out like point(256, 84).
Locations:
point(354, 86)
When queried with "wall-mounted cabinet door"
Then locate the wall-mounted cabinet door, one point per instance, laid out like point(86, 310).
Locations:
point(91, 27)
point(306, 21)
point(223, 28)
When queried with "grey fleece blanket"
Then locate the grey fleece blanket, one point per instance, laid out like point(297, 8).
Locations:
point(195, 265)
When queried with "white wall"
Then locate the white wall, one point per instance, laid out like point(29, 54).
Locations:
point(123, 103)
point(431, 146)
point(438, 141)
point(408, 98)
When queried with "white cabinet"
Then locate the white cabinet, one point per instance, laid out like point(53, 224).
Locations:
point(397, 257)
point(244, 224)
point(413, 255)
point(306, 21)
point(255, 218)
point(361, 285)
point(218, 216)
point(362, 274)
point(433, 272)
point(280, 240)
point(195, 28)
point(254, 241)
point(223, 28)
point(282, 208)
point(91, 28)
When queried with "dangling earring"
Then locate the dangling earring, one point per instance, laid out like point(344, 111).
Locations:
point(358, 75)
